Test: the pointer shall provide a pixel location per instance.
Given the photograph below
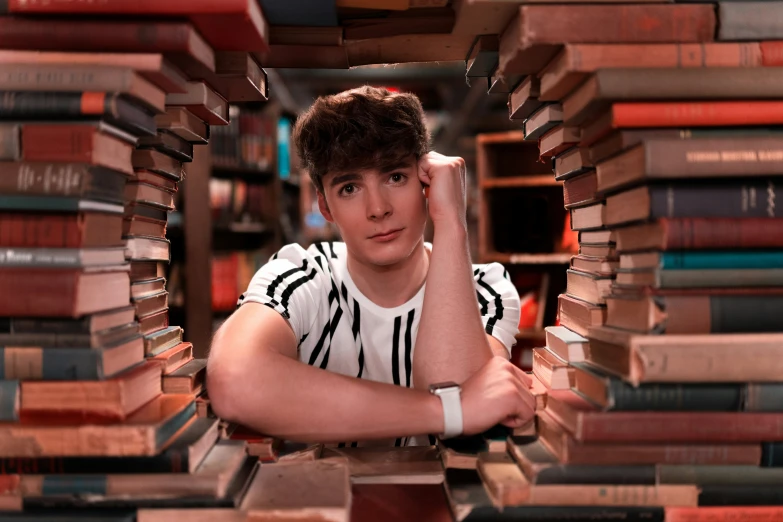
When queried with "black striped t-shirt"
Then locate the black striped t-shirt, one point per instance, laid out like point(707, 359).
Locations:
point(341, 330)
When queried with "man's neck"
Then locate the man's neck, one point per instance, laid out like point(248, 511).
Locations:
point(391, 286)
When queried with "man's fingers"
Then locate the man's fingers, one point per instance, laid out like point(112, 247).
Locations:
point(526, 399)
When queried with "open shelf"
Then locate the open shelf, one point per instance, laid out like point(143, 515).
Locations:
point(246, 173)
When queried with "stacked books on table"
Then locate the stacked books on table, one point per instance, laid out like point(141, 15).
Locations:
point(664, 380)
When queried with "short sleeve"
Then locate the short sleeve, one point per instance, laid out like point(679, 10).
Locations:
point(291, 283)
point(498, 301)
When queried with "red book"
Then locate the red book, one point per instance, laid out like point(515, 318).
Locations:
point(683, 114)
point(724, 514)
point(587, 424)
point(228, 25)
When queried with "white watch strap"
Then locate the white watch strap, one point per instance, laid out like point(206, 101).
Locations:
point(452, 412)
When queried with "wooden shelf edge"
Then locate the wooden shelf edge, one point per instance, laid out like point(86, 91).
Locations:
point(536, 180)
point(557, 258)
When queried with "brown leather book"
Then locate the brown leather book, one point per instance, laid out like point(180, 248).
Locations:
point(576, 61)
point(61, 179)
point(191, 378)
point(184, 124)
point(145, 194)
point(152, 304)
point(569, 451)
point(153, 67)
point(572, 162)
point(154, 321)
point(239, 77)
point(578, 315)
point(48, 292)
point(687, 358)
point(202, 101)
point(557, 140)
point(534, 38)
point(45, 230)
point(144, 433)
point(156, 161)
point(173, 358)
point(523, 101)
point(75, 143)
point(717, 83)
point(141, 226)
point(114, 398)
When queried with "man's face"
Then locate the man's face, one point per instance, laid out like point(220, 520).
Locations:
point(381, 213)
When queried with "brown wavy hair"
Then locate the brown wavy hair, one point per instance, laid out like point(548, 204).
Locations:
point(362, 128)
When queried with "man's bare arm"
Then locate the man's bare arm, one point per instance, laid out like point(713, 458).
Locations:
point(451, 343)
point(254, 379)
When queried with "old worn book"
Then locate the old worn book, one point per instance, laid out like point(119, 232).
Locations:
point(588, 287)
point(114, 108)
point(141, 226)
point(239, 77)
point(84, 326)
point(68, 337)
point(143, 248)
point(688, 358)
point(557, 140)
point(82, 78)
point(482, 57)
point(156, 161)
point(317, 489)
point(151, 304)
point(587, 423)
point(62, 179)
point(168, 143)
point(114, 398)
point(184, 455)
point(577, 61)
point(147, 288)
point(500, 84)
point(160, 341)
point(154, 321)
point(508, 486)
point(60, 257)
point(144, 270)
point(543, 120)
point(190, 378)
point(64, 364)
point(534, 38)
point(564, 343)
point(231, 25)
point(718, 83)
point(184, 124)
point(146, 194)
point(551, 370)
point(581, 190)
point(75, 143)
point(684, 120)
point(174, 358)
point(153, 67)
point(203, 102)
point(749, 21)
point(10, 142)
point(58, 292)
point(579, 315)
point(692, 158)
point(144, 433)
point(572, 162)
point(751, 198)
point(743, 311)
point(696, 234)
point(588, 217)
point(59, 230)
point(411, 465)
point(523, 101)
point(612, 394)
point(599, 266)
point(569, 451)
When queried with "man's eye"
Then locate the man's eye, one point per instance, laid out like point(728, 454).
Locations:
point(396, 177)
point(348, 189)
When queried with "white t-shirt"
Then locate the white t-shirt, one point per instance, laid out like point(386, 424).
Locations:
point(341, 330)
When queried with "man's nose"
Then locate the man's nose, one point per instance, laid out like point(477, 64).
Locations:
point(378, 204)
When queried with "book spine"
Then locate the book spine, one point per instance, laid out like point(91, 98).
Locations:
point(740, 495)
point(53, 105)
point(724, 514)
point(754, 199)
point(51, 179)
point(30, 231)
point(718, 260)
point(617, 23)
point(714, 157)
point(696, 114)
point(170, 461)
point(764, 397)
point(9, 400)
point(40, 257)
point(695, 233)
point(65, 143)
point(56, 364)
point(10, 144)
point(674, 397)
point(772, 454)
point(750, 21)
point(772, 53)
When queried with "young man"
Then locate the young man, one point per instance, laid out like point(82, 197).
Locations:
point(384, 314)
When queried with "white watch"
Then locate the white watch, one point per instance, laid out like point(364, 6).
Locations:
point(449, 393)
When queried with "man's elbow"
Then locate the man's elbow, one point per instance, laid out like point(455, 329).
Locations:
point(221, 383)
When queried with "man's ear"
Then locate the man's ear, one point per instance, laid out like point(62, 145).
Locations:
point(324, 207)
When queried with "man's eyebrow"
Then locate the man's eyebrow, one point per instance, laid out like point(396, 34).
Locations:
point(342, 178)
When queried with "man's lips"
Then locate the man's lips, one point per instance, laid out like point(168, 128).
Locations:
point(387, 234)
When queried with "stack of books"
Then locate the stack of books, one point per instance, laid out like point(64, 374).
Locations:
point(664, 379)
point(102, 405)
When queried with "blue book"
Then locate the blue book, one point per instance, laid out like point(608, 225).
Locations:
point(721, 260)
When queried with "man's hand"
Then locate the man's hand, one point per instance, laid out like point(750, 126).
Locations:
point(499, 393)
point(445, 177)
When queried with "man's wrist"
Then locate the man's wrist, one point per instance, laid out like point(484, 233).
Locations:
point(453, 227)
